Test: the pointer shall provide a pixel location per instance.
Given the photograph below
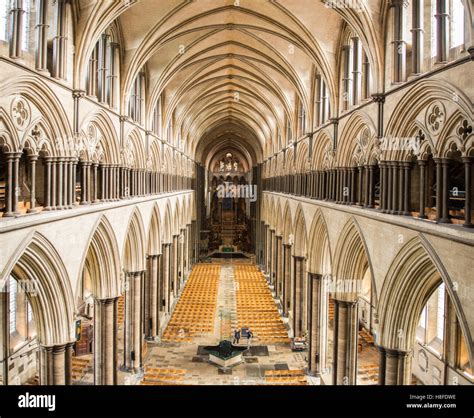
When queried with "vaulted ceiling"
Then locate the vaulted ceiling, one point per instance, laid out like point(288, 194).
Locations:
point(230, 71)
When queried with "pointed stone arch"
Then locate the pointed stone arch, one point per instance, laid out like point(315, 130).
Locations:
point(100, 135)
point(167, 224)
point(271, 214)
point(134, 246)
point(154, 233)
point(319, 251)
point(415, 273)
point(102, 258)
point(278, 219)
point(176, 217)
point(351, 262)
point(38, 94)
point(39, 270)
point(301, 246)
point(350, 267)
point(288, 224)
point(356, 140)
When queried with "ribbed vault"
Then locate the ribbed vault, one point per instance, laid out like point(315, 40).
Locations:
point(230, 71)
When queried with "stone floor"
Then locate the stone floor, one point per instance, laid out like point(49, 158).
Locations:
point(190, 356)
point(190, 360)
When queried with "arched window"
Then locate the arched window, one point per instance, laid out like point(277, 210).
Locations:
point(356, 72)
point(13, 290)
point(302, 119)
point(289, 132)
point(21, 325)
point(431, 327)
point(457, 23)
point(136, 102)
point(103, 69)
point(157, 115)
point(448, 27)
point(4, 12)
point(322, 108)
point(25, 29)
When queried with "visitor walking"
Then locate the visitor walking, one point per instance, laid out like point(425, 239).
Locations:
point(236, 336)
point(249, 337)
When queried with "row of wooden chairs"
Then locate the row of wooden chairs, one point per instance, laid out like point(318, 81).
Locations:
point(121, 310)
point(195, 311)
point(286, 377)
point(159, 376)
point(80, 366)
point(256, 308)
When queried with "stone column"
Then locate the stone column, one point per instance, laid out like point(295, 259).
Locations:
point(182, 253)
point(356, 71)
point(445, 193)
point(95, 172)
point(32, 159)
point(84, 185)
point(268, 242)
point(47, 184)
point(422, 164)
point(401, 188)
point(315, 306)
point(279, 266)
point(394, 367)
point(442, 30)
point(133, 335)
point(346, 54)
point(103, 70)
point(468, 186)
point(174, 264)
point(273, 255)
point(67, 183)
point(15, 182)
point(366, 187)
point(407, 189)
point(383, 186)
point(60, 184)
point(394, 185)
point(417, 36)
point(166, 277)
point(346, 326)
point(352, 176)
point(41, 53)
point(74, 180)
point(16, 23)
point(297, 308)
point(151, 306)
point(159, 292)
point(389, 189)
point(360, 195)
point(286, 278)
point(105, 341)
point(371, 202)
point(55, 364)
point(188, 248)
point(399, 43)
point(60, 41)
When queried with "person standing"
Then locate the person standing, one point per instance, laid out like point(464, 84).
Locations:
point(236, 336)
point(249, 337)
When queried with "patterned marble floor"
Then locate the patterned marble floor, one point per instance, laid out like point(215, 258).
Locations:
point(198, 371)
point(189, 364)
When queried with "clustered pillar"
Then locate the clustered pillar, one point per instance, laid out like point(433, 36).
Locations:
point(346, 327)
point(394, 367)
point(56, 364)
point(105, 341)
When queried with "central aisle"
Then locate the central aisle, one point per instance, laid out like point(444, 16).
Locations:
point(222, 291)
